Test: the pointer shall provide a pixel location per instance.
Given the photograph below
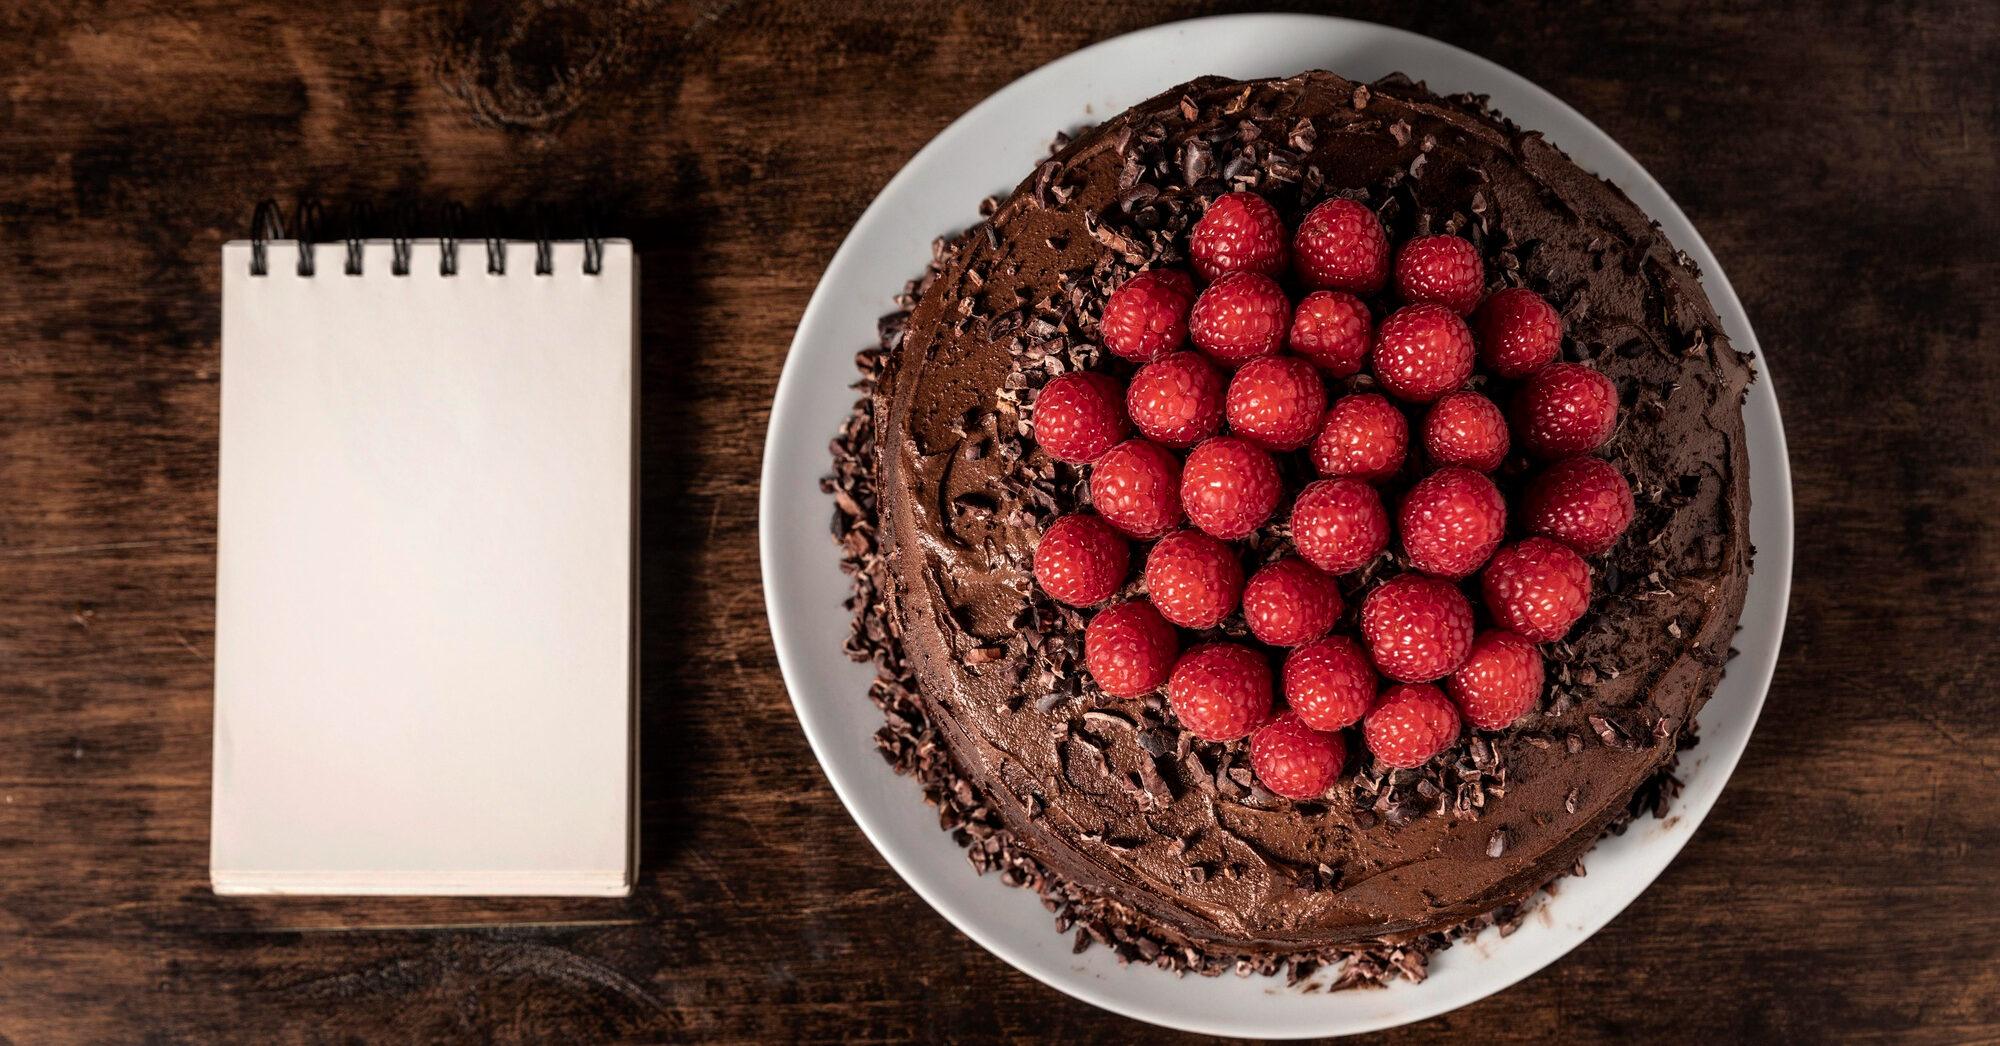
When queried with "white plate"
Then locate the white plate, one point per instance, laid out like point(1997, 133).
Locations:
point(987, 151)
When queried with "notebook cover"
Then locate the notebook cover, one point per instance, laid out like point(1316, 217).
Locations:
point(424, 629)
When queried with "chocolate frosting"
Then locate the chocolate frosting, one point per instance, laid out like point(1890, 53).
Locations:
point(1108, 793)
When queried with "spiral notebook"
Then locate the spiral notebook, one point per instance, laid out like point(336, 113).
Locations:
point(424, 632)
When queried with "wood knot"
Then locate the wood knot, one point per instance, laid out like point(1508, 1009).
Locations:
point(529, 64)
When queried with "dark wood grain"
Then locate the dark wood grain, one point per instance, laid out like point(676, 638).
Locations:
point(1840, 160)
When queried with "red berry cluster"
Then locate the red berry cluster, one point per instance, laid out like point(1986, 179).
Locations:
point(1204, 472)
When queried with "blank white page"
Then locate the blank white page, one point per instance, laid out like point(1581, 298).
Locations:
point(423, 677)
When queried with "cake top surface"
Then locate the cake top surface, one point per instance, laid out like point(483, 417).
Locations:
point(1111, 793)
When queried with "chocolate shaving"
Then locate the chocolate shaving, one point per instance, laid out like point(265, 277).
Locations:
point(1196, 160)
point(1045, 176)
point(1613, 734)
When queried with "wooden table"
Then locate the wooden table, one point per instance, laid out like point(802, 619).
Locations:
point(1843, 165)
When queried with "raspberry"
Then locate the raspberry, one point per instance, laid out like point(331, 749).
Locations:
point(1341, 246)
point(1441, 269)
point(1290, 602)
point(1146, 316)
point(1135, 486)
point(1422, 352)
point(1220, 691)
point(1294, 760)
point(1329, 682)
point(1536, 587)
point(1129, 648)
point(1566, 408)
point(1078, 417)
point(1465, 428)
point(1410, 725)
point(1331, 328)
point(1080, 560)
point(1518, 332)
point(1339, 524)
point(1499, 682)
point(1177, 399)
point(1229, 487)
point(1276, 402)
point(1240, 233)
point(1451, 521)
point(1584, 503)
point(1364, 437)
point(1193, 579)
point(1417, 627)
point(1240, 317)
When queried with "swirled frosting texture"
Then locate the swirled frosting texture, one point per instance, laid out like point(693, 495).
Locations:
point(1108, 793)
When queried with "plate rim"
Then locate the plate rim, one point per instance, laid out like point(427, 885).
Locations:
point(1774, 577)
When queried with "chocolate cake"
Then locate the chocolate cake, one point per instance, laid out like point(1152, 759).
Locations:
point(1140, 834)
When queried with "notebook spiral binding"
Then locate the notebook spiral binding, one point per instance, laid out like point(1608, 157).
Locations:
point(268, 224)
